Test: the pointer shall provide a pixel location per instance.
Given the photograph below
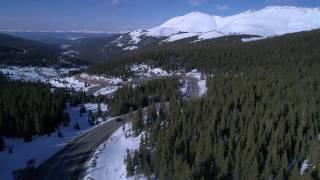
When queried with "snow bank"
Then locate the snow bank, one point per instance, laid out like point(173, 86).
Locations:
point(108, 160)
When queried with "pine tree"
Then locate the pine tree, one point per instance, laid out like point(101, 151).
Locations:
point(1, 143)
point(129, 164)
point(99, 111)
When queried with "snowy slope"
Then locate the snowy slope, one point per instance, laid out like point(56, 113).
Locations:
point(108, 159)
point(193, 22)
point(46, 146)
point(270, 21)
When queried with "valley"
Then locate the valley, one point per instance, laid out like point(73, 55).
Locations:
point(200, 96)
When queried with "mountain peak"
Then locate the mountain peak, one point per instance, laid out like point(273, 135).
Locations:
point(191, 22)
point(269, 21)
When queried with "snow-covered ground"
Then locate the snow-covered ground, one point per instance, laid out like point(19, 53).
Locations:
point(108, 160)
point(252, 39)
point(143, 70)
point(183, 89)
point(58, 78)
point(180, 36)
point(42, 147)
point(106, 90)
point(130, 48)
point(110, 80)
point(94, 107)
point(70, 52)
point(194, 73)
point(70, 83)
point(35, 73)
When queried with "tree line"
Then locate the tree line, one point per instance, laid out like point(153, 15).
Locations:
point(29, 108)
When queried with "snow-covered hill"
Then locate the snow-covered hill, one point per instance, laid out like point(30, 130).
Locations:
point(270, 21)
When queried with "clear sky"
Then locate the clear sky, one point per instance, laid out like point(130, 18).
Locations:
point(117, 15)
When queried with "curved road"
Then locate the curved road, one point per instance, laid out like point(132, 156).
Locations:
point(192, 91)
point(69, 163)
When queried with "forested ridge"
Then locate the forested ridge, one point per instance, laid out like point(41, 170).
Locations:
point(260, 118)
point(222, 54)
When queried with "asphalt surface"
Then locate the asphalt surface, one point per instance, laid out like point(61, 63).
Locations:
point(192, 91)
point(193, 88)
point(69, 163)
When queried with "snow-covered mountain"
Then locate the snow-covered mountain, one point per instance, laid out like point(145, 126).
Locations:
point(270, 21)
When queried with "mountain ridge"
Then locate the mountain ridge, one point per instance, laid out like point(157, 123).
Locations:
point(266, 22)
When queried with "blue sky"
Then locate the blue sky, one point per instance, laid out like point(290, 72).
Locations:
point(117, 15)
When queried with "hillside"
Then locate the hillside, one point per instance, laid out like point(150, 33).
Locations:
point(259, 118)
point(219, 54)
point(18, 51)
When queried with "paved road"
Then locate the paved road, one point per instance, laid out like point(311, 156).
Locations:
point(69, 163)
point(193, 88)
point(192, 91)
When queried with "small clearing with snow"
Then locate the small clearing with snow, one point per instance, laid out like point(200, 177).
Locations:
point(143, 70)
